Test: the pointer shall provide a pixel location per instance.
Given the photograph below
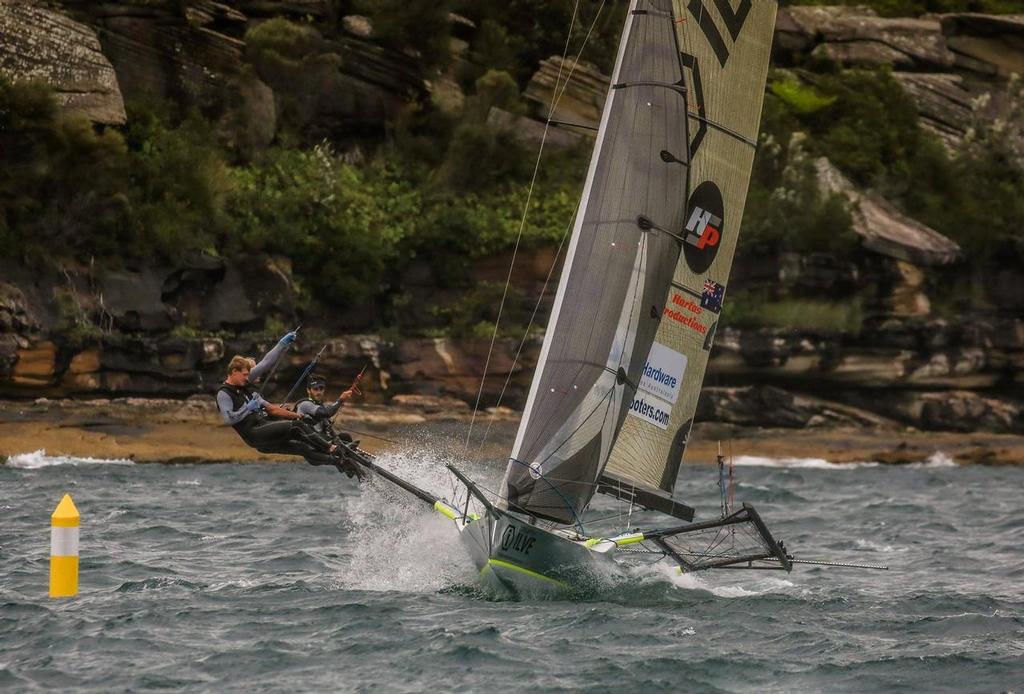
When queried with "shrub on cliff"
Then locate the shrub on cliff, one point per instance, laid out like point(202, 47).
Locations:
point(910, 8)
point(341, 226)
point(786, 209)
point(474, 314)
point(421, 25)
point(754, 310)
point(180, 181)
point(62, 182)
point(531, 31)
point(977, 200)
point(479, 154)
point(300, 67)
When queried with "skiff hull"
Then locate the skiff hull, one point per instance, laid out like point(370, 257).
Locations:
point(515, 557)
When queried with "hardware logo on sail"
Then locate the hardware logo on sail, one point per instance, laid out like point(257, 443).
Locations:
point(659, 385)
point(663, 372)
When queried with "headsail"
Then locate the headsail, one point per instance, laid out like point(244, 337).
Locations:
point(622, 256)
point(725, 52)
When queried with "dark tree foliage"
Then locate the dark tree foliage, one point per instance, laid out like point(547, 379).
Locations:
point(521, 33)
point(63, 183)
point(422, 25)
point(908, 8)
point(443, 185)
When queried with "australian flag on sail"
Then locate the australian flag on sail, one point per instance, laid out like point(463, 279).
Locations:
point(711, 297)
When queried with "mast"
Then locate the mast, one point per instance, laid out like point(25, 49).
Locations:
point(622, 256)
point(725, 52)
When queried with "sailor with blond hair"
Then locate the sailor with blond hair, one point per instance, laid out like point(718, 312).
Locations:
point(270, 428)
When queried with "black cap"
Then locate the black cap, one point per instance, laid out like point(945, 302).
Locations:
point(316, 380)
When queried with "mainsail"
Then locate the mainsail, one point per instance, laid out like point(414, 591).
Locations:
point(725, 52)
point(621, 260)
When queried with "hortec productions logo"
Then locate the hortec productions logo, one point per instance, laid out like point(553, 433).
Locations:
point(704, 227)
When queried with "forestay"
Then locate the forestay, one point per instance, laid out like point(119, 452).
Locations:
point(621, 259)
point(725, 48)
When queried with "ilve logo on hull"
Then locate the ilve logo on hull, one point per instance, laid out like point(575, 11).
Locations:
point(704, 227)
point(517, 540)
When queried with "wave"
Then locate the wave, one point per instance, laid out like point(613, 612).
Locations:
point(937, 459)
point(399, 543)
point(802, 463)
point(39, 459)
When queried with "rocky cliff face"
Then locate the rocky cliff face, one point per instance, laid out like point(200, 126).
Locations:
point(45, 45)
point(958, 68)
point(168, 330)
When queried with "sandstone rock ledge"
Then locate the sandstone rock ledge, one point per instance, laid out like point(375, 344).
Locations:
point(189, 431)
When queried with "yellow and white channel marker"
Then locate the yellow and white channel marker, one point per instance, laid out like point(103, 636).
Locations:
point(64, 549)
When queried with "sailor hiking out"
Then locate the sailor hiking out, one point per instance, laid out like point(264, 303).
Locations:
point(323, 414)
point(270, 428)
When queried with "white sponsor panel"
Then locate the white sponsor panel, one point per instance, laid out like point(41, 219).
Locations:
point(663, 373)
point(651, 409)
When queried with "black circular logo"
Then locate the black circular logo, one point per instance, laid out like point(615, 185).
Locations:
point(508, 537)
point(703, 230)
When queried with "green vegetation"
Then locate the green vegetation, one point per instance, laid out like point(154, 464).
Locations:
point(518, 34)
point(355, 210)
point(786, 209)
point(73, 320)
point(865, 124)
point(62, 185)
point(420, 25)
point(178, 187)
point(474, 314)
point(164, 186)
point(745, 310)
point(912, 8)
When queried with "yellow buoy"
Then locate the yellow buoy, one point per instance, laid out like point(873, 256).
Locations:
point(64, 549)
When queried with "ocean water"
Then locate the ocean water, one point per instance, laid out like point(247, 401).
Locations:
point(272, 577)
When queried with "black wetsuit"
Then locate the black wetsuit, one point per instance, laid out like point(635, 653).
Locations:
point(290, 437)
point(322, 415)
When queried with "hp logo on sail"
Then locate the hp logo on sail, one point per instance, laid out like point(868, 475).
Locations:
point(705, 227)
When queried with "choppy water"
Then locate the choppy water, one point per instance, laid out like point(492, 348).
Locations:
point(288, 578)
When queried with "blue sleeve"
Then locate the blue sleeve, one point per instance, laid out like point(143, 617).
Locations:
point(316, 411)
point(307, 407)
point(267, 362)
point(230, 417)
point(331, 410)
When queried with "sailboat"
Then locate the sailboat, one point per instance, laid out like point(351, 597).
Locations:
point(615, 389)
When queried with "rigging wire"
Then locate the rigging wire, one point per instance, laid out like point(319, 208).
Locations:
point(533, 317)
point(555, 99)
point(519, 234)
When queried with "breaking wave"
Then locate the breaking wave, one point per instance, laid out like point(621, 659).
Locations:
point(39, 459)
point(937, 459)
point(400, 543)
point(803, 463)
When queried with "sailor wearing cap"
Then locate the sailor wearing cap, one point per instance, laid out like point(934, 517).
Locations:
point(322, 414)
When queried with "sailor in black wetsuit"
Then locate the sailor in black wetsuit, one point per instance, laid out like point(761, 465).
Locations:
point(267, 427)
point(321, 414)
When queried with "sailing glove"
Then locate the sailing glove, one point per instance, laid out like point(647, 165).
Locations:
point(254, 404)
point(289, 337)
